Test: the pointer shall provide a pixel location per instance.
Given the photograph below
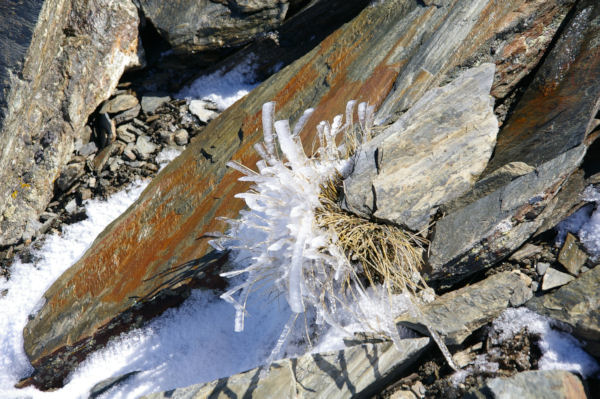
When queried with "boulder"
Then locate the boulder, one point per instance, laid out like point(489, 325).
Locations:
point(191, 26)
point(550, 384)
point(359, 371)
point(455, 315)
point(61, 59)
point(578, 305)
point(431, 155)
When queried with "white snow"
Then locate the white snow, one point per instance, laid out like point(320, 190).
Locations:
point(29, 281)
point(222, 87)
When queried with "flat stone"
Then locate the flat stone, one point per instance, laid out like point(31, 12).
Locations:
point(127, 115)
point(554, 278)
point(432, 154)
point(144, 147)
point(527, 251)
point(151, 103)
point(489, 229)
point(533, 384)
point(102, 158)
point(120, 103)
point(571, 256)
point(359, 371)
point(201, 109)
point(103, 386)
point(457, 314)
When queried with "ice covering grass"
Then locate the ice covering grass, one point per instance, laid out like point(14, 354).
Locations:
point(222, 87)
point(291, 236)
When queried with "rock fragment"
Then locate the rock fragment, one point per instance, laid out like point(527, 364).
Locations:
point(203, 110)
point(120, 103)
point(554, 278)
point(151, 103)
point(457, 314)
point(547, 384)
point(571, 256)
point(431, 155)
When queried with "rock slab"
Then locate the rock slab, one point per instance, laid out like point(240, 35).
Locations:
point(457, 314)
point(359, 371)
point(547, 384)
point(431, 155)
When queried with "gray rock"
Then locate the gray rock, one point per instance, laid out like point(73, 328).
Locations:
point(127, 115)
point(181, 137)
point(151, 103)
point(554, 278)
point(457, 314)
point(88, 149)
point(144, 147)
point(571, 256)
point(542, 267)
point(578, 305)
point(120, 103)
point(69, 176)
point(489, 184)
point(482, 233)
point(203, 110)
point(431, 155)
point(192, 26)
point(357, 371)
point(166, 137)
point(527, 251)
point(31, 229)
point(534, 384)
point(71, 206)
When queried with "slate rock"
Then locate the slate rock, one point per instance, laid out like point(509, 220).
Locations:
point(527, 251)
point(571, 256)
point(542, 267)
point(88, 149)
point(432, 154)
point(455, 315)
point(125, 135)
point(533, 384)
point(62, 68)
point(127, 115)
point(489, 229)
point(192, 26)
point(576, 304)
point(359, 371)
point(151, 103)
point(120, 103)
point(554, 278)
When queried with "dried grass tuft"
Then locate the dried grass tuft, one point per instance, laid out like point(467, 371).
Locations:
point(384, 253)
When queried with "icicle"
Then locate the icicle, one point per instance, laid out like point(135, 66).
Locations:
point(268, 112)
point(302, 121)
point(289, 147)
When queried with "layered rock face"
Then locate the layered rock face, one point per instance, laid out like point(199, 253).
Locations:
point(72, 62)
point(394, 55)
point(194, 26)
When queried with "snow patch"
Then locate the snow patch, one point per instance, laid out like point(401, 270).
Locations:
point(585, 223)
point(223, 87)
